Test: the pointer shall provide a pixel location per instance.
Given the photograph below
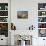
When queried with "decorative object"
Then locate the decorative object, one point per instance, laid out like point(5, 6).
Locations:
point(41, 19)
point(27, 38)
point(23, 40)
point(3, 13)
point(41, 6)
point(41, 13)
point(22, 14)
point(3, 19)
point(42, 32)
point(31, 27)
point(4, 29)
point(0, 7)
point(42, 25)
point(6, 7)
point(3, 6)
point(13, 27)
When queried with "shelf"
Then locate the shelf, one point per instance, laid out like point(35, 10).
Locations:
point(3, 22)
point(42, 16)
point(42, 19)
point(3, 16)
point(3, 10)
point(41, 10)
point(41, 28)
point(41, 22)
point(4, 19)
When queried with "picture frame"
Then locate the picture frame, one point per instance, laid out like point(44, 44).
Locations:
point(22, 14)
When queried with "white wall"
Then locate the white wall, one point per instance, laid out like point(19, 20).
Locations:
point(23, 5)
point(32, 7)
